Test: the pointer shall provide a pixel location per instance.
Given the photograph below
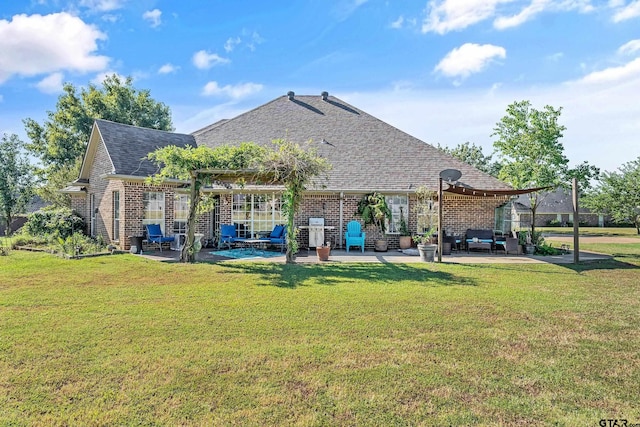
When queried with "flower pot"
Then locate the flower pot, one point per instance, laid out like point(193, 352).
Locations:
point(529, 249)
point(427, 252)
point(381, 245)
point(405, 242)
point(446, 248)
point(323, 253)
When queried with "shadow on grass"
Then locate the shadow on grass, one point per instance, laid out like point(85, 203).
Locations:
point(294, 275)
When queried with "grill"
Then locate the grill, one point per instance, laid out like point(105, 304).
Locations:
point(316, 232)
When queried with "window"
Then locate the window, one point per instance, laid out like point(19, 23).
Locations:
point(255, 213)
point(116, 216)
point(93, 212)
point(427, 215)
point(398, 205)
point(153, 204)
point(180, 213)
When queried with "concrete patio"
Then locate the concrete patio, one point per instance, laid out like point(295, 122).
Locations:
point(341, 256)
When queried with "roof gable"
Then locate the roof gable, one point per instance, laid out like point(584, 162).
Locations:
point(128, 146)
point(365, 152)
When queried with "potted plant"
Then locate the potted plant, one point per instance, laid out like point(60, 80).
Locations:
point(426, 248)
point(373, 209)
point(405, 236)
point(524, 240)
point(323, 251)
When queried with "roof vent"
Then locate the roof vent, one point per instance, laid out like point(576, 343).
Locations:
point(325, 95)
point(291, 95)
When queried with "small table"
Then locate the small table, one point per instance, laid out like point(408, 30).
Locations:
point(252, 244)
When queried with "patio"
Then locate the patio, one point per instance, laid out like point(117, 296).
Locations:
point(341, 256)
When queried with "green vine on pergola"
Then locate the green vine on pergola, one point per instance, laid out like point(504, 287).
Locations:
point(289, 165)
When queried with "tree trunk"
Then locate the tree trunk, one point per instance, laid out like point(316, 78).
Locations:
point(188, 253)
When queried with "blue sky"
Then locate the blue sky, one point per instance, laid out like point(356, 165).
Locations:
point(441, 70)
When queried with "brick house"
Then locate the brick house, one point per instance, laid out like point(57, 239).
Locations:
point(366, 155)
point(556, 207)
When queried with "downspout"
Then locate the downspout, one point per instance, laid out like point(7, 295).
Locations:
point(341, 219)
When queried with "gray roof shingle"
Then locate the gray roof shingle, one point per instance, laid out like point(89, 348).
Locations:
point(129, 145)
point(365, 152)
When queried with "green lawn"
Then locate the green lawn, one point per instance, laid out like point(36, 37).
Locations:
point(593, 231)
point(120, 340)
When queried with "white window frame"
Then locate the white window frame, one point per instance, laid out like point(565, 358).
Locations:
point(259, 213)
point(395, 202)
point(93, 215)
point(153, 210)
point(116, 216)
point(180, 212)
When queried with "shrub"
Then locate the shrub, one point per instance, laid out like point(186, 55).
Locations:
point(545, 249)
point(78, 244)
point(553, 223)
point(62, 222)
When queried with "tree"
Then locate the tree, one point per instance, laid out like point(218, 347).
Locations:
point(295, 168)
point(59, 142)
point(618, 194)
point(16, 178)
point(531, 153)
point(472, 154)
point(203, 166)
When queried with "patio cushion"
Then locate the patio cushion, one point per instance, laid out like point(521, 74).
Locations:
point(277, 231)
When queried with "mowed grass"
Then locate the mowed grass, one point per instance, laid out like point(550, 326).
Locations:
point(121, 340)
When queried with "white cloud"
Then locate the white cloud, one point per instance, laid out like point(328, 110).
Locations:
point(98, 79)
point(109, 17)
point(37, 44)
point(618, 74)
point(556, 57)
point(527, 13)
point(203, 59)
point(468, 59)
point(102, 5)
point(397, 24)
point(168, 69)
point(629, 48)
point(450, 15)
point(51, 84)
point(235, 92)
point(153, 16)
point(630, 11)
point(231, 43)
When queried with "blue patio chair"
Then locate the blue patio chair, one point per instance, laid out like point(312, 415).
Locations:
point(154, 235)
point(278, 236)
point(354, 235)
point(228, 235)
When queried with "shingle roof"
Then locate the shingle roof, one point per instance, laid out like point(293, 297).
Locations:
point(365, 152)
point(554, 202)
point(129, 145)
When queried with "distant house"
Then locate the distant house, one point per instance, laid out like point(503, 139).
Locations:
point(555, 208)
point(366, 154)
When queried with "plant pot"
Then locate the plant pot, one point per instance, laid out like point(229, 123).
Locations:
point(323, 253)
point(529, 249)
point(405, 242)
point(381, 245)
point(446, 248)
point(427, 252)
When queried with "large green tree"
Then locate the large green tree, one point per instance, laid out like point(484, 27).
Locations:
point(16, 178)
point(531, 154)
point(59, 142)
point(473, 155)
point(618, 194)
